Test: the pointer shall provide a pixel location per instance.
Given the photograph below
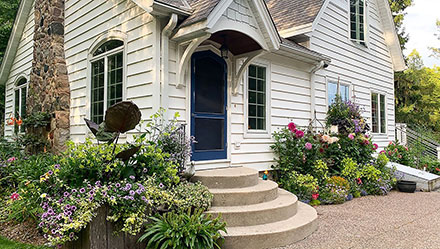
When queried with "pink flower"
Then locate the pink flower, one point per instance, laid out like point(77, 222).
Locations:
point(367, 142)
point(382, 152)
point(299, 133)
point(406, 148)
point(308, 146)
point(10, 160)
point(390, 152)
point(391, 142)
point(399, 156)
point(315, 196)
point(359, 181)
point(395, 150)
point(366, 136)
point(351, 136)
point(15, 196)
point(375, 146)
point(292, 127)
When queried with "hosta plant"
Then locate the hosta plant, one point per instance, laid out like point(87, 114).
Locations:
point(184, 230)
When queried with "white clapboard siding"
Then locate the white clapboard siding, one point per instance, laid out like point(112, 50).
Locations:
point(21, 66)
point(365, 68)
point(86, 21)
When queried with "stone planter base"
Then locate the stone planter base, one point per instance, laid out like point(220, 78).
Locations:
point(99, 234)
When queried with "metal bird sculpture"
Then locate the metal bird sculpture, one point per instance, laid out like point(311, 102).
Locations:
point(190, 171)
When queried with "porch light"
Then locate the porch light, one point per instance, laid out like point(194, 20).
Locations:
point(224, 50)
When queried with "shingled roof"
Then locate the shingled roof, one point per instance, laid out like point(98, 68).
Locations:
point(293, 13)
point(181, 4)
point(201, 10)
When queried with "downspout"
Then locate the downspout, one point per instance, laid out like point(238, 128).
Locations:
point(316, 68)
point(164, 76)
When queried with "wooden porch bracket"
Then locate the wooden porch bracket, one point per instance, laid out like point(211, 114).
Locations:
point(250, 57)
point(186, 57)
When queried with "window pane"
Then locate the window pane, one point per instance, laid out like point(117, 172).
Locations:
point(374, 113)
point(110, 45)
point(332, 90)
point(357, 20)
point(382, 115)
point(17, 103)
point(257, 98)
point(115, 72)
point(97, 101)
point(22, 81)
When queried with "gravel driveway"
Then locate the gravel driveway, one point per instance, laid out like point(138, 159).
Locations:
point(396, 221)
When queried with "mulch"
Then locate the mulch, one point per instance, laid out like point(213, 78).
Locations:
point(25, 232)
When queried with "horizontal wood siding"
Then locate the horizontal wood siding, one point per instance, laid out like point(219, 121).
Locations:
point(21, 66)
point(366, 68)
point(86, 21)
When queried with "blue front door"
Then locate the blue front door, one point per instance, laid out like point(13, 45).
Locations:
point(208, 106)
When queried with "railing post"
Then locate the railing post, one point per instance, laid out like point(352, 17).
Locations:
point(438, 153)
point(401, 134)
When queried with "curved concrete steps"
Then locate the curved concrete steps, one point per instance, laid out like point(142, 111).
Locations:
point(258, 214)
point(264, 191)
point(283, 207)
point(238, 177)
point(274, 234)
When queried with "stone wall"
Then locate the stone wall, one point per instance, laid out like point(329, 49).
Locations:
point(49, 89)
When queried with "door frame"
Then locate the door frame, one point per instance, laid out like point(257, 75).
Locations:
point(210, 155)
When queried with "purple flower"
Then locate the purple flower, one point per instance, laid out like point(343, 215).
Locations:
point(161, 185)
point(71, 235)
point(132, 192)
point(53, 231)
point(50, 211)
point(308, 146)
point(73, 208)
point(117, 185)
point(91, 198)
point(50, 172)
point(128, 186)
point(66, 194)
point(98, 183)
point(132, 177)
point(67, 206)
point(82, 190)
point(57, 166)
point(41, 224)
point(145, 170)
point(74, 191)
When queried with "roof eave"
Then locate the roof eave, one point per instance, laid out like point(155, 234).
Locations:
point(14, 39)
point(296, 52)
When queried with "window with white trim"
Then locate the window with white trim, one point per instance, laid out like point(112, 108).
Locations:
point(107, 66)
point(332, 91)
point(378, 113)
point(20, 100)
point(257, 98)
point(357, 20)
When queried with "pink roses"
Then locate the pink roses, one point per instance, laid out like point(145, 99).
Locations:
point(308, 146)
point(292, 127)
point(15, 196)
point(299, 133)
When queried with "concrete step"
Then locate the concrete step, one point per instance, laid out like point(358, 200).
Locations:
point(264, 191)
point(273, 234)
point(281, 208)
point(236, 177)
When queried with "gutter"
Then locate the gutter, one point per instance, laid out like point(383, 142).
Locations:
point(322, 64)
point(164, 67)
point(306, 53)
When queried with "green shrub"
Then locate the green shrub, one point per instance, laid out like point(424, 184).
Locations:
point(303, 186)
point(191, 196)
point(431, 165)
point(185, 230)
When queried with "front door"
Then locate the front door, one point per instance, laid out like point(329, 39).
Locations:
point(208, 106)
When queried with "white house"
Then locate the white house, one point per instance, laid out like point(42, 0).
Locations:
point(236, 70)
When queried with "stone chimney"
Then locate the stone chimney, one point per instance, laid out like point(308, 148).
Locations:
point(49, 89)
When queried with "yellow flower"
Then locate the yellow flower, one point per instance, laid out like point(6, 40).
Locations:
point(43, 195)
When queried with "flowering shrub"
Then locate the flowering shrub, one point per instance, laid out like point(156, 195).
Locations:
point(430, 164)
point(347, 115)
point(335, 191)
point(399, 154)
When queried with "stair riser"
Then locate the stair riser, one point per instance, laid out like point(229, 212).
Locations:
point(228, 182)
point(259, 217)
point(270, 240)
point(248, 198)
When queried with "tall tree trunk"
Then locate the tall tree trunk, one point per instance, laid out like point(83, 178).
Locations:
point(49, 89)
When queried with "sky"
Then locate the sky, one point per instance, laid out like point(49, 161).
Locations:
point(419, 23)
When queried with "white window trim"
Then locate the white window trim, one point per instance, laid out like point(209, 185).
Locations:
point(110, 35)
point(248, 133)
point(386, 113)
point(341, 82)
point(20, 88)
point(357, 43)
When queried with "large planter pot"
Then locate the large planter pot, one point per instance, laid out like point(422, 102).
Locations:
point(406, 186)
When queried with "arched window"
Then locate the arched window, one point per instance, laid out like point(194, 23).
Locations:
point(107, 65)
point(20, 99)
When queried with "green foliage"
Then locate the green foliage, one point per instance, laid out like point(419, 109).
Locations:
point(303, 186)
point(431, 165)
point(185, 230)
point(191, 196)
point(7, 244)
point(36, 120)
point(398, 8)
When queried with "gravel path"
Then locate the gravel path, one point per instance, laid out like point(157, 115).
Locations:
point(396, 221)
